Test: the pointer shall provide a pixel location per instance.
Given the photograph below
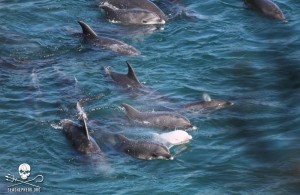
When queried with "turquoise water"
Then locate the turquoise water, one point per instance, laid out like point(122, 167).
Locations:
point(214, 47)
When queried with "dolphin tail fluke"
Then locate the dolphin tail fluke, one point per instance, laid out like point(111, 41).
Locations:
point(131, 112)
point(84, 118)
point(131, 73)
point(87, 30)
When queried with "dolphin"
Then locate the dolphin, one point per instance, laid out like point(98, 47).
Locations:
point(79, 135)
point(80, 138)
point(267, 7)
point(141, 149)
point(172, 138)
point(128, 80)
point(157, 119)
point(132, 16)
point(207, 104)
point(141, 4)
point(107, 43)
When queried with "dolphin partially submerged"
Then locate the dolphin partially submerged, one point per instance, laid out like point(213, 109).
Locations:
point(157, 119)
point(267, 7)
point(79, 136)
point(141, 149)
point(207, 104)
point(172, 138)
point(131, 16)
point(107, 43)
point(128, 80)
point(130, 4)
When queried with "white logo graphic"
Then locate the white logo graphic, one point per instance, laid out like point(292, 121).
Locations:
point(24, 171)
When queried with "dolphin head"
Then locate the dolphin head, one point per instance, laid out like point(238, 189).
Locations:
point(151, 18)
point(159, 152)
point(222, 103)
point(144, 17)
point(216, 104)
point(67, 124)
point(274, 12)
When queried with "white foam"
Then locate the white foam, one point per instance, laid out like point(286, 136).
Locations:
point(108, 5)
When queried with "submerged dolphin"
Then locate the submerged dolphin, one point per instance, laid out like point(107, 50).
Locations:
point(107, 43)
point(80, 138)
point(126, 80)
point(132, 16)
point(142, 149)
point(207, 104)
point(267, 7)
point(141, 4)
point(79, 135)
point(157, 119)
point(173, 138)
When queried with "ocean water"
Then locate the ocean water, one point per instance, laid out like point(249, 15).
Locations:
point(217, 47)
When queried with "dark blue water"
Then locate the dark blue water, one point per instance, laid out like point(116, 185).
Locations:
point(215, 47)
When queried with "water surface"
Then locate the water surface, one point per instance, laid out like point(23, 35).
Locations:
point(215, 47)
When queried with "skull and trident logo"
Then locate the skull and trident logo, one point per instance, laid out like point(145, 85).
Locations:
point(24, 172)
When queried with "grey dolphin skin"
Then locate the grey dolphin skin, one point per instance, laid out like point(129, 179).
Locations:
point(126, 80)
point(207, 105)
point(141, 4)
point(142, 149)
point(80, 138)
point(132, 16)
point(157, 119)
point(107, 43)
point(267, 7)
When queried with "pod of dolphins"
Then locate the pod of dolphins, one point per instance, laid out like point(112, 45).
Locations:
point(143, 12)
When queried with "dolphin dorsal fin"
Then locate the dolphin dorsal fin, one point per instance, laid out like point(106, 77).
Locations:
point(87, 30)
point(131, 112)
point(84, 118)
point(206, 97)
point(122, 137)
point(131, 73)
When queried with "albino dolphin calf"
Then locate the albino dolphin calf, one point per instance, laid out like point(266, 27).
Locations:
point(157, 119)
point(140, 149)
point(176, 137)
point(107, 43)
point(207, 104)
point(131, 16)
point(267, 7)
point(128, 80)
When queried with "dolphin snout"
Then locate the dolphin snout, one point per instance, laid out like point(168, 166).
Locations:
point(230, 103)
point(161, 21)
